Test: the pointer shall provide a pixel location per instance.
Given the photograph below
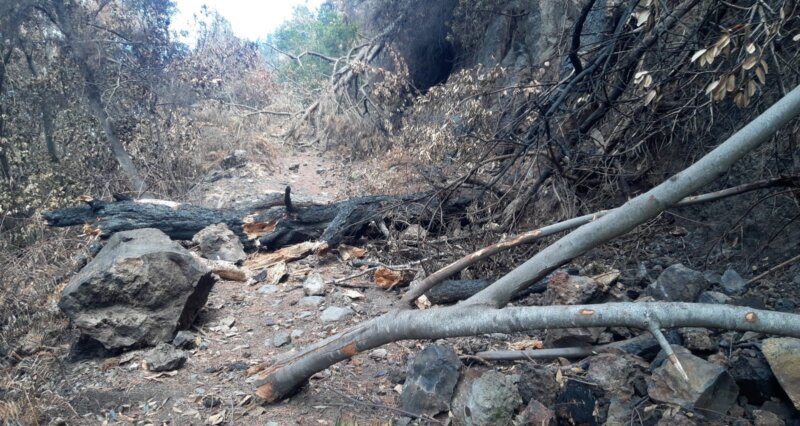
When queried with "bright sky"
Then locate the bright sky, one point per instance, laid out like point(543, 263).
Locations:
point(250, 19)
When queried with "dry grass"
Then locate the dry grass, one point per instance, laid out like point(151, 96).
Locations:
point(33, 330)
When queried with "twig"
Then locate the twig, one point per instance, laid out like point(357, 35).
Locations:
point(382, 406)
point(773, 269)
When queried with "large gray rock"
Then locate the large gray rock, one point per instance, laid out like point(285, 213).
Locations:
point(678, 284)
point(138, 291)
point(710, 388)
point(217, 242)
point(430, 381)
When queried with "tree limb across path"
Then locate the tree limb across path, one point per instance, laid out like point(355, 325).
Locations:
point(482, 314)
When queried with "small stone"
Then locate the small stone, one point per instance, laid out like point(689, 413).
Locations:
point(304, 314)
point(490, 399)
point(783, 356)
point(184, 340)
point(296, 334)
point(210, 401)
point(566, 289)
point(311, 301)
point(678, 284)
point(709, 388)
point(314, 285)
point(164, 357)
point(218, 242)
point(713, 297)
point(281, 338)
point(536, 414)
point(269, 322)
point(732, 282)
point(712, 277)
point(430, 380)
point(413, 233)
point(378, 354)
point(237, 366)
point(766, 418)
point(237, 158)
point(697, 339)
point(335, 313)
point(268, 289)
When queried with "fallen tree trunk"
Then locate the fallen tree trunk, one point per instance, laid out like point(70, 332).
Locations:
point(430, 282)
point(479, 314)
point(458, 320)
point(270, 224)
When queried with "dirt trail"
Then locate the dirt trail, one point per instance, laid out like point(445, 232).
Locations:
point(213, 385)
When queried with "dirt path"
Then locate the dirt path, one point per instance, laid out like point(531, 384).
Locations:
point(237, 328)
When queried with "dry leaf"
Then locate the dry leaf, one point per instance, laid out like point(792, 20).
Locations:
point(216, 419)
point(796, 37)
point(762, 78)
point(650, 96)
point(712, 86)
point(387, 279)
point(730, 83)
point(526, 344)
point(751, 88)
point(698, 54)
point(560, 379)
point(750, 48)
point(750, 62)
point(349, 252)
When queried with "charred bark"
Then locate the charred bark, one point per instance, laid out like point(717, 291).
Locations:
point(269, 224)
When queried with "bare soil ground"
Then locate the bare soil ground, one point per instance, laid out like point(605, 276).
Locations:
point(214, 386)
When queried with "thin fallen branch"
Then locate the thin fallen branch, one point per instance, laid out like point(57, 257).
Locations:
point(528, 237)
point(635, 345)
point(460, 320)
point(773, 269)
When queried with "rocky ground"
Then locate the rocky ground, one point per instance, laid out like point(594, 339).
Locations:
point(208, 374)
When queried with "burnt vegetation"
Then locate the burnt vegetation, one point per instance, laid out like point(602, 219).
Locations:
point(488, 128)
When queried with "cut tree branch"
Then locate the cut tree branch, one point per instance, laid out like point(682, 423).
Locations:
point(456, 321)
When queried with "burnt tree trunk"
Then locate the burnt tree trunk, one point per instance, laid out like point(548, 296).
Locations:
point(269, 224)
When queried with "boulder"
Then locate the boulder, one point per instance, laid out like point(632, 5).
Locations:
point(237, 158)
point(217, 242)
point(536, 414)
point(138, 291)
point(430, 381)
